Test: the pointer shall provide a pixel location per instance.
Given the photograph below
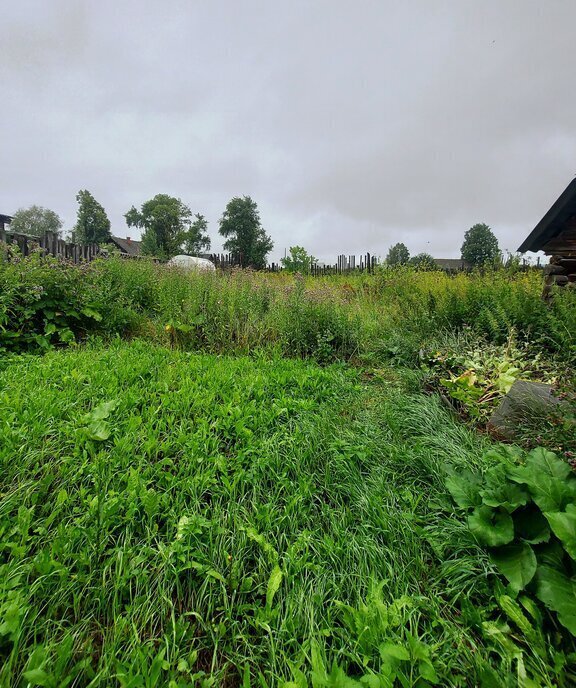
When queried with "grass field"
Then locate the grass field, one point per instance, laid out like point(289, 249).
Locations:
point(173, 515)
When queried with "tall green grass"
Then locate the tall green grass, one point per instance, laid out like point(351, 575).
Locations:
point(391, 314)
point(175, 519)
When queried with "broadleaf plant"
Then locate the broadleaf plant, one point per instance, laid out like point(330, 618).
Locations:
point(524, 511)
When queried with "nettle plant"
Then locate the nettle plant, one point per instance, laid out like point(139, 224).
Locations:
point(525, 513)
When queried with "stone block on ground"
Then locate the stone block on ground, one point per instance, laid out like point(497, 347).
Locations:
point(525, 402)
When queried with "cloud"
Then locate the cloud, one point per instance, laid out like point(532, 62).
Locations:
point(353, 125)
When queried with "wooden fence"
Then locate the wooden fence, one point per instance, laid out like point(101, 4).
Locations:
point(50, 244)
point(344, 264)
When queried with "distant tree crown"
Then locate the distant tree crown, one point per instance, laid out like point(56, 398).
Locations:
point(298, 260)
point(92, 224)
point(398, 255)
point(245, 237)
point(423, 261)
point(196, 239)
point(36, 221)
point(480, 246)
point(167, 223)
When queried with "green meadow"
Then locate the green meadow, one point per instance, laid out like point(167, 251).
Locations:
point(242, 479)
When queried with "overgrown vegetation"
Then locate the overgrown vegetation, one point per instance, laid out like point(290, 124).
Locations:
point(193, 508)
point(474, 379)
point(390, 315)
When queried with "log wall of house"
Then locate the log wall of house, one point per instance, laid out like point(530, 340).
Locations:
point(562, 268)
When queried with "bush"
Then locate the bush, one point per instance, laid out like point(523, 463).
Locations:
point(44, 302)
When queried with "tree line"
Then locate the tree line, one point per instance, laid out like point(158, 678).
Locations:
point(480, 249)
point(169, 227)
point(167, 224)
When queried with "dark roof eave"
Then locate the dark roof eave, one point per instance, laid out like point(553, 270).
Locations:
point(551, 223)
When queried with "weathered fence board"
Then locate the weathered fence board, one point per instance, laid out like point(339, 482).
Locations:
point(51, 245)
point(344, 264)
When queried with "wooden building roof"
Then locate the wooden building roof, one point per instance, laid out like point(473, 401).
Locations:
point(556, 231)
point(128, 246)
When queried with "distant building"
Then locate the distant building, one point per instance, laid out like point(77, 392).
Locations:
point(4, 220)
point(127, 246)
point(451, 264)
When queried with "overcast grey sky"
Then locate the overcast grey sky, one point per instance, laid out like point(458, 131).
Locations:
point(352, 124)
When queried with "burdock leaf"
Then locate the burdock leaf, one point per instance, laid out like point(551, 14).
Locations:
point(558, 592)
point(517, 563)
point(548, 479)
point(98, 431)
point(491, 527)
point(464, 489)
point(563, 525)
point(101, 412)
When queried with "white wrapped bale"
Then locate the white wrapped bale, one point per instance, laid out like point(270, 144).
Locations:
point(192, 263)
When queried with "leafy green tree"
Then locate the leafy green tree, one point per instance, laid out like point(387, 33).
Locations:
point(197, 239)
point(36, 221)
point(92, 224)
point(165, 221)
point(398, 255)
point(480, 246)
point(298, 260)
point(245, 237)
point(423, 261)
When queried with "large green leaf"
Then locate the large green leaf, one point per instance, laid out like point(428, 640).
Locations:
point(548, 479)
point(273, 585)
point(101, 412)
point(37, 677)
point(491, 527)
point(91, 313)
point(499, 491)
point(98, 431)
point(392, 652)
point(558, 592)
point(517, 563)
point(465, 489)
point(563, 525)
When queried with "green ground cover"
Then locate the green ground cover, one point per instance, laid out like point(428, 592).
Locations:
point(263, 480)
point(203, 520)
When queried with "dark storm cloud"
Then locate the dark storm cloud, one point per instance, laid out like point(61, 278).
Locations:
point(353, 125)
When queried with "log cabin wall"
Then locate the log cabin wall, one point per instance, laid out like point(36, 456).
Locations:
point(561, 271)
point(555, 235)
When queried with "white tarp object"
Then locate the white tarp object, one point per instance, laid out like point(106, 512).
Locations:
point(191, 263)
